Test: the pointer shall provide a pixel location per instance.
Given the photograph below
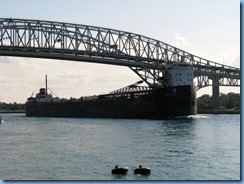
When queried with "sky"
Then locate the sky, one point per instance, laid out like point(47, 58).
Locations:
point(209, 29)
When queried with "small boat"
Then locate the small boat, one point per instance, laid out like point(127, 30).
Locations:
point(1, 120)
point(120, 170)
point(142, 170)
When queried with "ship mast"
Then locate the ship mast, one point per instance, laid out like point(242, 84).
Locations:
point(46, 84)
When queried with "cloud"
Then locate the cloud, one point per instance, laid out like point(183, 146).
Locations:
point(230, 57)
point(180, 41)
point(93, 81)
point(5, 60)
point(21, 62)
point(236, 62)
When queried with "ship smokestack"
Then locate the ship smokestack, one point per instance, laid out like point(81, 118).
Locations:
point(46, 84)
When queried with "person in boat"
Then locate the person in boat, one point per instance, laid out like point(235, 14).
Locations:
point(142, 171)
point(118, 170)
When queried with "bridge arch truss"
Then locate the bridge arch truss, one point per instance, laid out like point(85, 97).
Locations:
point(147, 57)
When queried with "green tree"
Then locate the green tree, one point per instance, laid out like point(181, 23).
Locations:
point(227, 101)
point(204, 102)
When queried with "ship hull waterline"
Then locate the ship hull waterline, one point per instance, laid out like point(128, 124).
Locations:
point(154, 104)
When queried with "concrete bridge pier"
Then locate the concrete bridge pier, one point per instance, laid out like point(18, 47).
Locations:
point(215, 93)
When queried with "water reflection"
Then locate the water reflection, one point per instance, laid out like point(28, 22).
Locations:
point(177, 139)
point(179, 127)
point(141, 177)
point(119, 176)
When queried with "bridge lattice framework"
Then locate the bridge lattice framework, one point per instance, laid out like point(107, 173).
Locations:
point(147, 57)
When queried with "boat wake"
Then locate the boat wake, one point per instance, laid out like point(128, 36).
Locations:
point(198, 116)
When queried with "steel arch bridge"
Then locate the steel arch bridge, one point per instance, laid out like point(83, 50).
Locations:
point(145, 56)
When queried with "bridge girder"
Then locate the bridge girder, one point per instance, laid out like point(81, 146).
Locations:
point(205, 81)
point(145, 56)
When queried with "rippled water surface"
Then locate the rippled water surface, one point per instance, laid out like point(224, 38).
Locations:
point(202, 147)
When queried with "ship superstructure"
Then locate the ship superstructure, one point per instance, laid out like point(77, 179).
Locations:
point(43, 96)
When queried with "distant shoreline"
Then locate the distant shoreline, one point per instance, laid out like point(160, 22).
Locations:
point(12, 111)
point(200, 111)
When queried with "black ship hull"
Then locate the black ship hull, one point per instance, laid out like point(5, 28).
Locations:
point(152, 104)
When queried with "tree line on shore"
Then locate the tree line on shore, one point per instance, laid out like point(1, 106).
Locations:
point(11, 106)
point(227, 101)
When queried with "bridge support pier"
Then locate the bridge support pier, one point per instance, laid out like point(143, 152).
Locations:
point(215, 93)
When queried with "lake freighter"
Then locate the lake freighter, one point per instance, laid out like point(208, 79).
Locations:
point(176, 98)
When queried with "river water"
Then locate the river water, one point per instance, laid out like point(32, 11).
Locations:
point(201, 147)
